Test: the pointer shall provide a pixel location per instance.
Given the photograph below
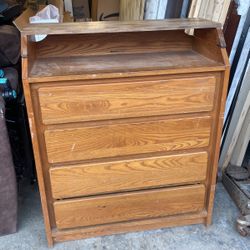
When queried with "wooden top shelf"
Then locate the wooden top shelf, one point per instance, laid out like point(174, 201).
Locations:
point(109, 26)
point(99, 65)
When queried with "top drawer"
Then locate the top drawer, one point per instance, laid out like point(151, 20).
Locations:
point(77, 103)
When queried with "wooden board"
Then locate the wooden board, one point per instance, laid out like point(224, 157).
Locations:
point(92, 179)
point(130, 206)
point(108, 26)
point(239, 151)
point(123, 100)
point(195, 8)
point(130, 226)
point(223, 13)
point(107, 44)
point(215, 10)
point(94, 65)
point(110, 140)
point(236, 132)
point(94, 8)
point(131, 10)
point(240, 111)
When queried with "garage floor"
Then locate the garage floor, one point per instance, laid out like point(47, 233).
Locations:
point(221, 235)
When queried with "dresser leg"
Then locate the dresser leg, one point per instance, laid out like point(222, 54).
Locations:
point(50, 241)
point(208, 221)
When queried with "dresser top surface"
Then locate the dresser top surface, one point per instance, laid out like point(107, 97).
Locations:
point(26, 28)
point(94, 65)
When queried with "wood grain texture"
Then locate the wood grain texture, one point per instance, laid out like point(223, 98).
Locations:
point(204, 43)
point(123, 65)
point(215, 10)
point(131, 10)
point(219, 118)
point(33, 124)
point(39, 170)
point(195, 8)
point(139, 153)
point(129, 206)
point(123, 100)
point(25, 28)
point(130, 226)
point(94, 9)
point(106, 44)
point(127, 74)
point(89, 179)
point(112, 140)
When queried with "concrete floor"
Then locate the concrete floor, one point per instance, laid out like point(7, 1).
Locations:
point(221, 235)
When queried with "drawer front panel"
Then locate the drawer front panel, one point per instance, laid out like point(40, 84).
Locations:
point(123, 100)
point(112, 140)
point(80, 180)
point(129, 206)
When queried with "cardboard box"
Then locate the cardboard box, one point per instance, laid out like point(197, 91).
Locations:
point(105, 10)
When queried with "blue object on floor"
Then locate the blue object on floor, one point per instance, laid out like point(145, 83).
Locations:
point(1, 73)
point(5, 88)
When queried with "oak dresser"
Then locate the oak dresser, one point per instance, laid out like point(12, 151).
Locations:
point(125, 120)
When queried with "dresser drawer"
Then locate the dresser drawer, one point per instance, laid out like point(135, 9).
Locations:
point(122, 100)
point(91, 179)
point(129, 206)
point(119, 139)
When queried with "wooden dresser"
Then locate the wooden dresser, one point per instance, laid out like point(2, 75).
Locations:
point(125, 120)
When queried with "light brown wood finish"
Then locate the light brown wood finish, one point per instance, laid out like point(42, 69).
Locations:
point(130, 226)
point(158, 151)
point(94, 9)
point(112, 140)
point(89, 179)
point(35, 144)
point(130, 206)
point(122, 100)
point(102, 44)
point(217, 137)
